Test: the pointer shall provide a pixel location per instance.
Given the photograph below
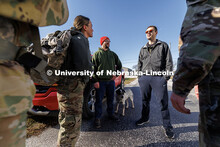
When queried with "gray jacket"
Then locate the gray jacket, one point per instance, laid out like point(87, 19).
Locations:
point(158, 59)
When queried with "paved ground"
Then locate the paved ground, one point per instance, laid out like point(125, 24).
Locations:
point(126, 134)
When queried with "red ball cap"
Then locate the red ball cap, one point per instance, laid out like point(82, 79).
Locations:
point(102, 39)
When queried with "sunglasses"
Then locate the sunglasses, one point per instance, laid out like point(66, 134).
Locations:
point(149, 31)
point(108, 41)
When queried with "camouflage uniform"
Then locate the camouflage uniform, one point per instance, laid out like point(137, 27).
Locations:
point(199, 62)
point(70, 98)
point(16, 87)
point(70, 89)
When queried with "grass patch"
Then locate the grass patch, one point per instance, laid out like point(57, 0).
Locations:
point(37, 124)
point(129, 80)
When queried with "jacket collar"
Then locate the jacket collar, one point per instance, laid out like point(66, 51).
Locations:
point(157, 42)
point(101, 49)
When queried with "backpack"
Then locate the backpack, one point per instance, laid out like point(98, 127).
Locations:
point(54, 49)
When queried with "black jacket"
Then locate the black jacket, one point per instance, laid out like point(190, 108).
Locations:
point(78, 54)
point(159, 59)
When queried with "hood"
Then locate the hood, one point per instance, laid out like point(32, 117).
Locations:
point(74, 31)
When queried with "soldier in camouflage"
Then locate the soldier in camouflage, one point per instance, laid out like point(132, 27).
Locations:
point(199, 63)
point(16, 87)
point(70, 89)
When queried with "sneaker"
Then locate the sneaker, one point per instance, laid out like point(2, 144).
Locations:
point(113, 117)
point(169, 133)
point(141, 122)
point(97, 123)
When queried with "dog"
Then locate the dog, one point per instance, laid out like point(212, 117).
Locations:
point(122, 96)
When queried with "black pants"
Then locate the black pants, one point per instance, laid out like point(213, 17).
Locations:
point(159, 86)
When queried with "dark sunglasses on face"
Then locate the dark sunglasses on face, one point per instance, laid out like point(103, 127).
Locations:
point(107, 41)
point(150, 31)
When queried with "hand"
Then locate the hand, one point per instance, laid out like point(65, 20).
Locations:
point(113, 78)
point(178, 103)
point(96, 85)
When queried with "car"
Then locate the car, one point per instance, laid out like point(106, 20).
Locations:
point(45, 101)
point(197, 91)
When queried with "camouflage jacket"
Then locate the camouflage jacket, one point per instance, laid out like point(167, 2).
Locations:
point(200, 50)
point(211, 2)
point(36, 12)
point(23, 16)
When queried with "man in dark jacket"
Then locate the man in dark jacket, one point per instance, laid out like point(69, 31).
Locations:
point(70, 89)
point(105, 61)
point(155, 62)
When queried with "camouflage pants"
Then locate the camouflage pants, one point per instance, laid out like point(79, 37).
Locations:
point(70, 98)
point(209, 101)
point(16, 93)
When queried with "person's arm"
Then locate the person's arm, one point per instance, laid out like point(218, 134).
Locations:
point(169, 61)
point(178, 103)
point(117, 62)
point(140, 63)
point(79, 53)
point(95, 67)
point(198, 54)
point(190, 71)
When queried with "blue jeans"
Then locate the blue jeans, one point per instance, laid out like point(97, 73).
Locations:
point(159, 86)
point(109, 88)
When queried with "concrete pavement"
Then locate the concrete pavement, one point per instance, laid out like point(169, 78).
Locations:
point(125, 133)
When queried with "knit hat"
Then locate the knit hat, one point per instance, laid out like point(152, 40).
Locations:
point(102, 39)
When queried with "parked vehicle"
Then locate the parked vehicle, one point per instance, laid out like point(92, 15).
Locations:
point(45, 101)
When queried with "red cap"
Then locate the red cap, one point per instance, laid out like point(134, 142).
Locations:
point(102, 39)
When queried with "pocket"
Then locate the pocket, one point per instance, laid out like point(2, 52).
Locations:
point(73, 84)
point(77, 86)
point(139, 78)
point(163, 79)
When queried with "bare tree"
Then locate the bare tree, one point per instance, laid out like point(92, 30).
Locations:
point(135, 67)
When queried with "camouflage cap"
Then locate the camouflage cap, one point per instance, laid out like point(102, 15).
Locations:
point(36, 12)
